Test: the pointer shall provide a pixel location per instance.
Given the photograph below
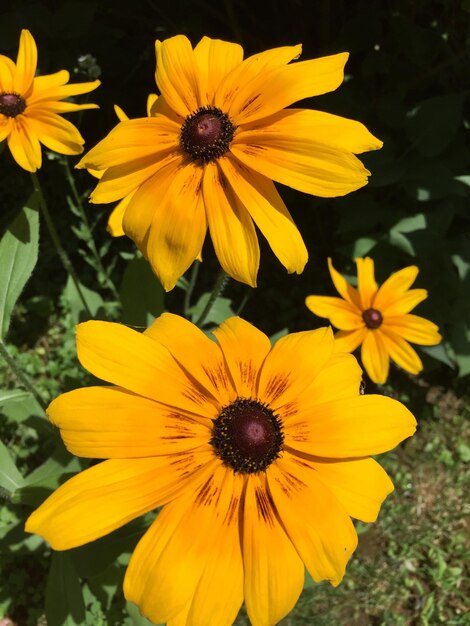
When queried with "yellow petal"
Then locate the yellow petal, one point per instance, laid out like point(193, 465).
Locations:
point(195, 352)
point(319, 170)
point(292, 366)
point(6, 124)
point(179, 226)
point(315, 521)
point(215, 59)
point(148, 197)
point(59, 92)
point(402, 303)
point(26, 63)
point(349, 340)
point(56, 133)
point(340, 312)
point(375, 355)
point(360, 485)
point(269, 213)
point(394, 288)
point(351, 427)
point(344, 289)
point(114, 226)
point(244, 348)
point(274, 573)
point(121, 180)
point(132, 140)
point(7, 74)
point(124, 357)
point(305, 125)
point(58, 107)
point(48, 81)
point(176, 74)
point(251, 69)
point(366, 284)
point(110, 494)
point(191, 555)
point(275, 89)
point(401, 352)
point(413, 328)
point(122, 117)
point(151, 101)
point(231, 227)
point(338, 379)
point(111, 423)
point(24, 145)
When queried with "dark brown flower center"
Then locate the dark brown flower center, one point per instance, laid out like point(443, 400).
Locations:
point(247, 436)
point(372, 318)
point(206, 134)
point(12, 104)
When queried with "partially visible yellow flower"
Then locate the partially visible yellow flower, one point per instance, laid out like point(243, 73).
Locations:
point(31, 107)
point(259, 456)
point(219, 136)
point(378, 318)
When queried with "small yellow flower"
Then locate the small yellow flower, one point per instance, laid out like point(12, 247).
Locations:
point(378, 318)
point(258, 455)
point(219, 135)
point(31, 108)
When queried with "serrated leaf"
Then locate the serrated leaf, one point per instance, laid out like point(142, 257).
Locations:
point(18, 257)
point(142, 296)
point(64, 599)
point(10, 477)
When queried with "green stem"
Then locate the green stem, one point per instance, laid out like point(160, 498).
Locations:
point(27, 384)
point(84, 218)
point(219, 286)
point(57, 243)
point(190, 289)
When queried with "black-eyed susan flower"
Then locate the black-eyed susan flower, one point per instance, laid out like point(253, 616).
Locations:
point(219, 135)
point(378, 318)
point(259, 457)
point(31, 107)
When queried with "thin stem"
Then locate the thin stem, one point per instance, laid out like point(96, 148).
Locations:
point(190, 289)
point(219, 286)
point(91, 242)
point(27, 384)
point(245, 299)
point(57, 243)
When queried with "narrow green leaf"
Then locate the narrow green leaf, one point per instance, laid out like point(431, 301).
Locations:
point(18, 257)
point(10, 477)
point(142, 296)
point(64, 600)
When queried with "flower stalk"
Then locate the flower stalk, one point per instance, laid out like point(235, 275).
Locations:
point(21, 376)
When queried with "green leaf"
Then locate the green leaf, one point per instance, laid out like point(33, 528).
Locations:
point(434, 122)
point(142, 296)
point(137, 618)
point(220, 311)
point(64, 600)
point(362, 247)
point(18, 257)
point(18, 406)
point(10, 477)
point(439, 353)
point(77, 309)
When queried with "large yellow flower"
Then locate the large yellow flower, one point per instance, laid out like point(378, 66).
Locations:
point(258, 455)
point(378, 318)
point(30, 107)
point(218, 134)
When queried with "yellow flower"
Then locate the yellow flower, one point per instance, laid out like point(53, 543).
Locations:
point(378, 318)
point(220, 132)
point(30, 108)
point(258, 455)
